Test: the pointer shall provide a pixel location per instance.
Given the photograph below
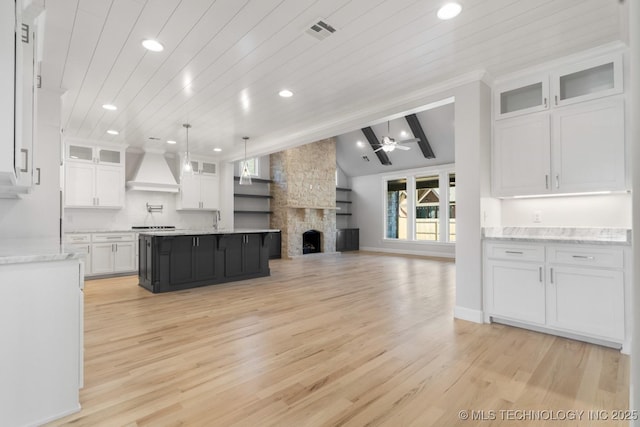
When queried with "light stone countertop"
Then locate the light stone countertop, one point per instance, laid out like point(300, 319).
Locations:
point(202, 231)
point(26, 250)
point(97, 230)
point(577, 235)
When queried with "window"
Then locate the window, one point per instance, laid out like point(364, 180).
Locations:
point(422, 206)
point(252, 164)
point(428, 208)
point(397, 209)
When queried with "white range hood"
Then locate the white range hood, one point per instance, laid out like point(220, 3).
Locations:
point(154, 175)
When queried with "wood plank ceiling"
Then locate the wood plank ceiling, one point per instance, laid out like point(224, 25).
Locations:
point(225, 61)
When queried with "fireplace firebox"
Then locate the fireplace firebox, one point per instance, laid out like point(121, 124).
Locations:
point(311, 242)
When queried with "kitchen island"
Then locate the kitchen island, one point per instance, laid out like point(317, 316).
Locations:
point(183, 259)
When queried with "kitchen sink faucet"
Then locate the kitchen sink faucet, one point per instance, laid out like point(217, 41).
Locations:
point(216, 220)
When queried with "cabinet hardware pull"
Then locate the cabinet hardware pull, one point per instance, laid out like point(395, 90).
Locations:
point(557, 180)
point(116, 247)
point(26, 160)
point(540, 274)
point(25, 33)
point(88, 249)
point(545, 102)
point(514, 252)
point(546, 181)
point(551, 274)
point(583, 257)
point(556, 99)
point(113, 237)
point(38, 180)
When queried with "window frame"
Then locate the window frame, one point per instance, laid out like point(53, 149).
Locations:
point(256, 163)
point(443, 172)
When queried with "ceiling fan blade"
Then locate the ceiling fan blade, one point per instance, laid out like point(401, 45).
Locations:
point(377, 149)
point(409, 140)
point(402, 147)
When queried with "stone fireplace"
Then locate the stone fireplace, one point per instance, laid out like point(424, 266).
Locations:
point(304, 195)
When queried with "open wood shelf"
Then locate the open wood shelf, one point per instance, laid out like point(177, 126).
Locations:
point(344, 201)
point(253, 196)
point(260, 180)
point(253, 212)
point(342, 189)
point(343, 214)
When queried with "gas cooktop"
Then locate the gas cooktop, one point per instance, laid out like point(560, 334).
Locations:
point(153, 227)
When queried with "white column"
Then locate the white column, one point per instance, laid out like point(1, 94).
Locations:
point(472, 143)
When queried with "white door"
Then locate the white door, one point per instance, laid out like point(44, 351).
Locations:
point(190, 191)
point(516, 291)
point(521, 155)
point(588, 146)
point(109, 186)
point(124, 257)
point(586, 300)
point(209, 191)
point(78, 184)
point(102, 258)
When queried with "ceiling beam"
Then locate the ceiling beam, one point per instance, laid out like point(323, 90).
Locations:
point(375, 144)
point(418, 132)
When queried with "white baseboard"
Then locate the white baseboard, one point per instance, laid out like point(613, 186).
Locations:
point(469, 314)
point(408, 252)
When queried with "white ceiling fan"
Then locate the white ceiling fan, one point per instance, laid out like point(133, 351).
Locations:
point(388, 144)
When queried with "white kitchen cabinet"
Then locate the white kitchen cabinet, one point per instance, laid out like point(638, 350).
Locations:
point(516, 290)
point(113, 253)
point(589, 79)
point(199, 190)
point(572, 290)
point(18, 96)
point(522, 95)
point(579, 81)
point(94, 177)
point(521, 155)
point(573, 149)
point(81, 243)
point(588, 146)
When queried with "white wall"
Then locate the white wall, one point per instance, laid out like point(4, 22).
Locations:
point(610, 210)
point(38, 214)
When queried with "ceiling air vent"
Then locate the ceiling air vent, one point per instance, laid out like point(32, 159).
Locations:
point(320, 29)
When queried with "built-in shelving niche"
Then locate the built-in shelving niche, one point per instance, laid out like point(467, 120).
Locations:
point(252, 203)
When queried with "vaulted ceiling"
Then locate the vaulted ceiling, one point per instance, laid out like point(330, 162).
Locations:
point(225, 61)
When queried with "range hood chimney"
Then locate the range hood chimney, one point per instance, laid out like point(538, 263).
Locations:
point(154, 174)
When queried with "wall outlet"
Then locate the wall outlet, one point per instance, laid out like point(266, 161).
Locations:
point(537, 216)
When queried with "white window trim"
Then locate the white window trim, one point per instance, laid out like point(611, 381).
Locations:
point(443, 172)
point(256, 162)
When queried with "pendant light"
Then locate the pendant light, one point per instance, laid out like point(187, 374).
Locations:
point(245, 176)
point(186, 164)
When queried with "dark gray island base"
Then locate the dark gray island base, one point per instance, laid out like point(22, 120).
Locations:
point(170, 261)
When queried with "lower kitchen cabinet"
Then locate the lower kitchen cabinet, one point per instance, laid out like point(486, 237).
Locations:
point(275, 245)
point(105, 253)
point(244, 254)
point(174, 262)
point(579, 291)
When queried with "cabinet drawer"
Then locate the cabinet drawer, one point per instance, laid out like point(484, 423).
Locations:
point(77, 238)
point(112, 237)
point(518, 252)
point(587, 256)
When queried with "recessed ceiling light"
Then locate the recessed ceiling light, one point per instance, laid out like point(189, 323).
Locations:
point(285, 93)
point(360, 144)
point(217, 150)
point(171, 142)
point(449, 10)
point(153, 45)
point(109, 107)
point(113, 132)
point(403, 133)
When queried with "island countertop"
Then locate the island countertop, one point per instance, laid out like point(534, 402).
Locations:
point(203, 231)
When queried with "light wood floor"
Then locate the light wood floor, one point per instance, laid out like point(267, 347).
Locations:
point(354, 339)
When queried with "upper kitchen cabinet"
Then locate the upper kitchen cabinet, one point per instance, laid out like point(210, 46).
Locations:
point(18, 84)
point(590, 79)
point(574, 142)
point(521, 96)
point(94, 177)
point(577, 82)
point(199, 188)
